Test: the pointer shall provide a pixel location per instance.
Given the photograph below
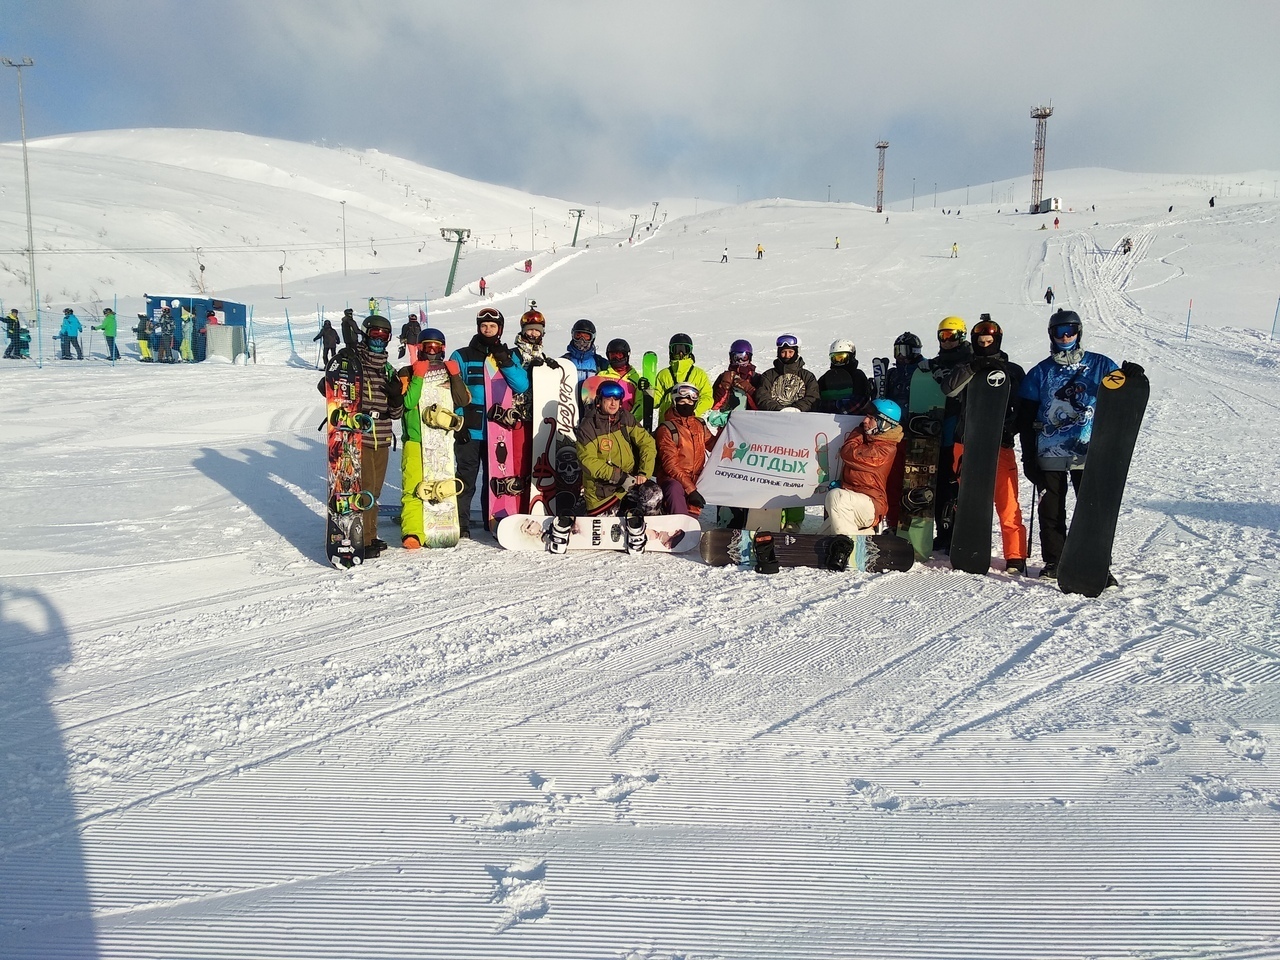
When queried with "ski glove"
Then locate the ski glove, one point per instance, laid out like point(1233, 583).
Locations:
point(501, 354)
point(395, 396)
point(1031, 470)
point(695, 499)
point(551, 364)
point(1131, 369)
point(717, 418)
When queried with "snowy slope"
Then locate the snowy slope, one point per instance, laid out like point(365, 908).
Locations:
point(216, 746)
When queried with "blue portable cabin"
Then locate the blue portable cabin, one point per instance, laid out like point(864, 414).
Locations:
point(228, 313)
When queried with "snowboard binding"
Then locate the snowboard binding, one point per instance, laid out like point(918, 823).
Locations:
point(503, 416)
point(925, 425)
point(917, 498)
point(637, 537)
point(342, 420)
point(437, 491)
point(558, 534)
point(766, 558)
point(442, 418)
point(507, 486)
point(344, 503)
point(839, 549)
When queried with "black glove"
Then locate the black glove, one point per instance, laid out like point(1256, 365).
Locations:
point(395, 397)
point(551, 364)
point(501, 354)
point(1131, 369)
point(1031, 470)
point(695, 499)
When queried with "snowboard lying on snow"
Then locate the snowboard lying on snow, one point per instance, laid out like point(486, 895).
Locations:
point(666, 534)
point(875, 553)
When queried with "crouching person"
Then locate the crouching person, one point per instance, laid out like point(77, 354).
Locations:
point(617, 457)
point(859, 503)
point(683, 442)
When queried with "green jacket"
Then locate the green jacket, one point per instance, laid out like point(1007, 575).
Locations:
point(681, 371)
point(610, 450)
point(108, 325)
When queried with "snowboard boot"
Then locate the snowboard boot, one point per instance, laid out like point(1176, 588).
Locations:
point(637, 538)
point(437, 491)
point(839, 549)
point(503, 416)
point(442, 418)
point(506, 486)
point(1016, 568)
point(374, 548)
point(412, 543)
point(1049, 571)
point(766, 559)
point(558, 534)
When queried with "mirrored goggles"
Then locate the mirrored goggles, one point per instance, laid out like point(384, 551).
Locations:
point(840, 357)
point(739, 358)
point(1064, 331)
point(583, 341)
point(949, 336)
point(787, 340)
point(680, 351)
point(686, 394)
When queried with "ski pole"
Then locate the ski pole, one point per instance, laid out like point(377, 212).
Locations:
point(1031, 515)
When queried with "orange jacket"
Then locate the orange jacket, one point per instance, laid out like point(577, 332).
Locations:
point(866, 462)
point(682, 454)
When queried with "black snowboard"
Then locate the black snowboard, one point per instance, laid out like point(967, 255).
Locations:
point(986, 403)
point(1086, 556)
point(877, 553)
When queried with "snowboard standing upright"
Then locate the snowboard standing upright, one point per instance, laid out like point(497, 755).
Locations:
point(439, 488)
point(1086, 556)
point(648, 372)
point(554, 424)
point(508, 448)
point(920, 474)
point(986, 403)
point(347, 501)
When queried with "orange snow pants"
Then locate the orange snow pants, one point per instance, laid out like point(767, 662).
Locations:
point(1012, 531)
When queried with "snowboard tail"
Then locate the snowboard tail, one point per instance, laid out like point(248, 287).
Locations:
point(986, 402)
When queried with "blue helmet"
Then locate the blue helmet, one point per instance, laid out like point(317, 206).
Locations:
point(611, 389)
point(888, 410)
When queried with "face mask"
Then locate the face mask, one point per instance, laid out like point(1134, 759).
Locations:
point(685, 409)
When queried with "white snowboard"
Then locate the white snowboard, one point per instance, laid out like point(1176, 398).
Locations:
point(555, 418)
point(667, 534)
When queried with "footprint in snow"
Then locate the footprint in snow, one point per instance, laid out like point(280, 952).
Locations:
point(520, 890)
point(876, 795)
point(1246, 744)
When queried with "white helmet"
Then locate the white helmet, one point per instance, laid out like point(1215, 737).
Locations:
point(175, 304)
point(842, 346)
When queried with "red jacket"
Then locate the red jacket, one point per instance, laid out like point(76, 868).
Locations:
point(866, 462)
point(682, 455)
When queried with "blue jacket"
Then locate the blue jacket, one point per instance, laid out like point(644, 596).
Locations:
point(471, 360)
point(70, 326)
point(1063, 398)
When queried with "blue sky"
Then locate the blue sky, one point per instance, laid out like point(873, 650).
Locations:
point(626, 103)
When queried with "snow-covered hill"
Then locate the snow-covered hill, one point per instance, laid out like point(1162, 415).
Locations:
point(216, 746)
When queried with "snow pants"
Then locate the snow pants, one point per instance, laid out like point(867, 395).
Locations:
point(1053, 512)
point(112, 352)
point(373, 473)
point(1013, 533)
point(849, 513)
point(410, 477)
point(893, 487)
point(471, 459)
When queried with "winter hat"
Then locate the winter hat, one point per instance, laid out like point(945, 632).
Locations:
point(491, 315)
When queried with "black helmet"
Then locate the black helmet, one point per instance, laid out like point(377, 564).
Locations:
point(907, 347)
point(66, 311)
point(583, 326)
point(376, 322)
point(617, 345)
point(491, 315)
point(986, 327)
point(680, 345)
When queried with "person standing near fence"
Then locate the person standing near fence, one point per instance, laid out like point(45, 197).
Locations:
point(108, 328)
point(69, 334)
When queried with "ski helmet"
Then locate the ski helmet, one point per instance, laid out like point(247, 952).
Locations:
point(680, 345)
point(584, 326)
point(491, 315)
point(740, 351)
point(986, 327)
point(533, 316)
point(788, 341)
point(1065, 331)
point(907, 347)
point(377, 333)
point(686, 392)
point(611, 390)
point(617, 346)
point(844, 350)
point(432, 335)
point(888, 410)
point(66, 311)
point(951, 328)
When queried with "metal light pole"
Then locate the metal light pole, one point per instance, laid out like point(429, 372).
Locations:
point(344, 236)
point(935, 193)
point(26, 178)
point(913, 193)
point(598, 218)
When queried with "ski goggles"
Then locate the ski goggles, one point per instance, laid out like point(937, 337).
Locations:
point(583, 341)
point(489, 315)
point(841, 357)
point(1064, 331)
point(432, 348)
point(950, 336)
point(685, 391)
point(679, 351)
point(903, 351)
point(787, 340)
point(380, 336)
point(739, 358)
point(987, 328)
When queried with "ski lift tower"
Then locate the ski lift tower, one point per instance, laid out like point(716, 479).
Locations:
point(457, 235)
point(882, 146)
point(1041, 116)
point(577, 215)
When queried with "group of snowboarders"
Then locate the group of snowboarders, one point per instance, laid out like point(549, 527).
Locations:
point(633, 464)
